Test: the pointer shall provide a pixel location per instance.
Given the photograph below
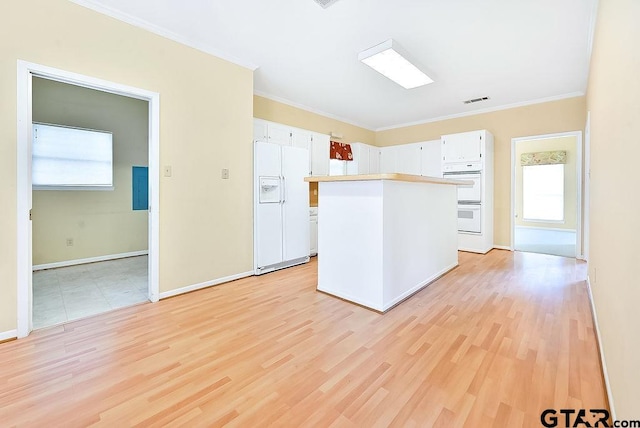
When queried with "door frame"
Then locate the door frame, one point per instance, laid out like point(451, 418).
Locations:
point(26, 70)
point(579, 177)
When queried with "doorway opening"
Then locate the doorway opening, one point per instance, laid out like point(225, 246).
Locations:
point(89, 238)
point(78, 241)
point(546, 200)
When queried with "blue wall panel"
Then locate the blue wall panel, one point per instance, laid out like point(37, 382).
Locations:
point(140, 191)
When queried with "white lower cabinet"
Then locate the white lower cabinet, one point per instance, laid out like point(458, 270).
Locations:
point(313, 231)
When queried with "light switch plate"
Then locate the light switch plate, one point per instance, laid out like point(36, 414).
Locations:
point(225, 174)
point(167, 170)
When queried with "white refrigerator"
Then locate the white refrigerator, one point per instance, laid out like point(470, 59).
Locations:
point(281, 215)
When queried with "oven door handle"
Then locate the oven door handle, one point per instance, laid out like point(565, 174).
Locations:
point(478, 173)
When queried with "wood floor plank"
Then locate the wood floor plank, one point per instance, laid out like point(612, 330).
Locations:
point(492, 343)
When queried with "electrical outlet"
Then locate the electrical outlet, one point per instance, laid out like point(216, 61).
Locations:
point(69, 242)
point(225, 174)
point(167, 170)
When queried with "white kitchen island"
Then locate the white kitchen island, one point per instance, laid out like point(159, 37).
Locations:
point(383, 237)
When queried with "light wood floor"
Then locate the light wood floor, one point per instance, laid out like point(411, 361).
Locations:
point(493, 343)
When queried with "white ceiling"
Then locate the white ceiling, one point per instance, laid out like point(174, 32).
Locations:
point(514, 51)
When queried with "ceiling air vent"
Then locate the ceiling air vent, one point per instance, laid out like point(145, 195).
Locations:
point(476, 100)
point(325, 3)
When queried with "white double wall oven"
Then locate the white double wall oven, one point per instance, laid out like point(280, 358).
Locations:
point(469, 156)
point(469, 197)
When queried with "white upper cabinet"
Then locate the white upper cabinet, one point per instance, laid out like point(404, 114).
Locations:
point(408, 159)
point(319, 154)
point(260, 130)
point(301, 138)
point(463, 147)
point(316, 143)
point(388, 157)
point(279, 134)
point(401, 159)
point(374, 160)
point(430, 159)
point(365, 159)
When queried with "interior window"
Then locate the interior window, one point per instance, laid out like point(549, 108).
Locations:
point(71, 158)
point(543, 192)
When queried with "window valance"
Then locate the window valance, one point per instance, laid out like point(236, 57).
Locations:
point(543, 158)
point(340, 151)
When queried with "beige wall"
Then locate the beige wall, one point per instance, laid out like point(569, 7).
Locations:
point(99, 222)
point(264, 108)
point(567, 144)
point(538, 119)
point(613, 93)
point(206, 110)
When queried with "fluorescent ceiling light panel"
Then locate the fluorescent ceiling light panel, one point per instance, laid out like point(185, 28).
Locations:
point(386, 60)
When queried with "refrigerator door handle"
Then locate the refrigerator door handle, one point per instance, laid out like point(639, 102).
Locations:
point(284, 191)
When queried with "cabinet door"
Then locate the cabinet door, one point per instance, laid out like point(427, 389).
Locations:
point(450, 149)
point(470, 149)
point(388, 157)
point(363, 161)
point(360, 162)
point(313, 235)
point(295, 203)
point(374, 160)
point(259, 130)
point(431, 164)
point(302, 139)
point(463, 147)
point(408, 159)
point(320, 154)
point(279, 134)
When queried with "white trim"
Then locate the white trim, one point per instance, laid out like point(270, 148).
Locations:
point(25, 71)
point(555, 229)
point(309, 109)
point(579, 204)
point(605, 373)
point(75, 188)
point(586, 202)
point(194, 287)
point(6, 335)
point(23, 167)
point(163, 32)
point(503, 247)
point(89, 260)
point(485, 110)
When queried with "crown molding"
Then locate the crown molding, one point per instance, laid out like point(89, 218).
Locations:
point(310, 109)
point(145, 25)
point(482, 111)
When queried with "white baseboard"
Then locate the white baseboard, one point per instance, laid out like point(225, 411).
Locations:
point(605, 373)
point(90, 260)
point(419, 287)
point(205, 284)
point(503, 247)
point(6, 335)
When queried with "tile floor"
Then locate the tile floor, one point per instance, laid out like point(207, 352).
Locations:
point(73, 292)
point(554, 242)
